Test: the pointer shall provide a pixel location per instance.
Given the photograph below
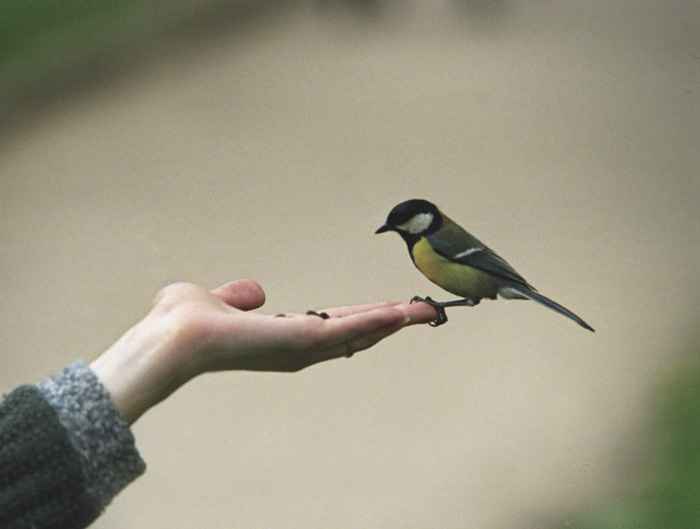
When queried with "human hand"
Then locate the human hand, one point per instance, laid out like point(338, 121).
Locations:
point(191, 331)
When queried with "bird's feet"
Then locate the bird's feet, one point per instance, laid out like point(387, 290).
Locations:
point(438, 306)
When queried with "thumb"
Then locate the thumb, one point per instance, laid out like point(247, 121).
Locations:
point(243, 294)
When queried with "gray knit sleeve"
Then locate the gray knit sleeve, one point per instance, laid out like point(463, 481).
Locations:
point(96, 429)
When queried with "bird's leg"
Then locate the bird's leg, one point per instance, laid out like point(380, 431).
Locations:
point(439, 307)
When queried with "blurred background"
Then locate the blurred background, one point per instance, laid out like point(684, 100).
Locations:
point(145, 142)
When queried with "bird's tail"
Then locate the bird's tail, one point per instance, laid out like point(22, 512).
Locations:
point(518, 291)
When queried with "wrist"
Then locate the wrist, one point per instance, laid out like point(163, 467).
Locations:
point(139, 370)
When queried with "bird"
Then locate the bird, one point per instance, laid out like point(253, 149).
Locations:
point(458, 262)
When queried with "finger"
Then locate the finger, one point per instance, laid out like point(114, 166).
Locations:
point(306, 333)
point(352, 346)
point(243, 294)
point(417, 312)
point(370, 339)
point(358, 324)
point(303, 332)
point(360, 330)
point(322, 315)
point(290, 315)
point(337, 312)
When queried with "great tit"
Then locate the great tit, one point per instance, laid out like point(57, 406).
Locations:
point(458, 262)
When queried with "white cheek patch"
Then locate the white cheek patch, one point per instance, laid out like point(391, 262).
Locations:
point(417, 224)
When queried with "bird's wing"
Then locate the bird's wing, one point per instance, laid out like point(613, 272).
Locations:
point(455, 244)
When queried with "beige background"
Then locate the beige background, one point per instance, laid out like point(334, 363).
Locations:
point(564, 137)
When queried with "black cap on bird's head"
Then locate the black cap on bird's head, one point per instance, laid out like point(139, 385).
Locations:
point(413, 217)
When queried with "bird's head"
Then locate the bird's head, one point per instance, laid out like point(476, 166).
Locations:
point(413, 218)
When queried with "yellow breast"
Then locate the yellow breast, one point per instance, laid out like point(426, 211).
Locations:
point(461, 280)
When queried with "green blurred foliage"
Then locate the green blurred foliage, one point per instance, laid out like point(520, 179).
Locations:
point(45, 43)
point(669, 498)
point(41, 38)
point(23, 22)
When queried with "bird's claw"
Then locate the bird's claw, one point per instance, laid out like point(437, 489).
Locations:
point(439, 308)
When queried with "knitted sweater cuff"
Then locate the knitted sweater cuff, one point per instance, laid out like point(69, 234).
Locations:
point(96, 429)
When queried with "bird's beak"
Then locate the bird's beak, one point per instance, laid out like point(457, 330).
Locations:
point(383, 228)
